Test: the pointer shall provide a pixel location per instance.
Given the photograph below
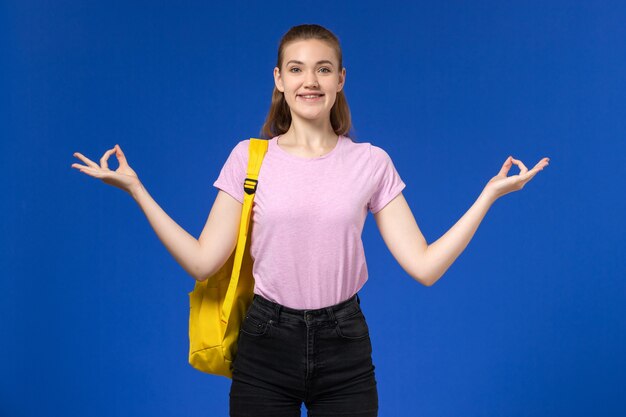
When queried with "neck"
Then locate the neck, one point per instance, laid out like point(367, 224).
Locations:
point(310, 134)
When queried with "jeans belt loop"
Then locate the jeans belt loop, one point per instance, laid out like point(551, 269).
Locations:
point(331, 314)
point(277, 309)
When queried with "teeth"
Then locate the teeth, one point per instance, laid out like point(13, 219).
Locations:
point(313, 96)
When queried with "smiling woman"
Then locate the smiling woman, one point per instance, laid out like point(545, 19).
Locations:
point(308, 90)
point(305, 337)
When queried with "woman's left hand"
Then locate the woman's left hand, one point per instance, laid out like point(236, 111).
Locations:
point(501, 184)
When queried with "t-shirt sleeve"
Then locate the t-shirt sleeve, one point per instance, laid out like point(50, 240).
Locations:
point(386, 180)
point(233, 172)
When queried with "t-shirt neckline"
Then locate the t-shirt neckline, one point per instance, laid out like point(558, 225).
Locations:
point(286, 154)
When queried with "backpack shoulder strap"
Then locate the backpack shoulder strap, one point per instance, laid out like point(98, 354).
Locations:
point(257, 151)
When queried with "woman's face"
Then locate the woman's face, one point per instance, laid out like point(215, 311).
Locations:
point(310, 67)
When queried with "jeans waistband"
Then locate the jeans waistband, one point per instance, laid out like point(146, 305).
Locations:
point(342, 309)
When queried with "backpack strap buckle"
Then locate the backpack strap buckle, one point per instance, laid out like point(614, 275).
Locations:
point(249, 185)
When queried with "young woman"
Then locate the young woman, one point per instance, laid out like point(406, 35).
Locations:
point(305, 338)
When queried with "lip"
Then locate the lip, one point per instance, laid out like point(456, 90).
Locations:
point(311, 94)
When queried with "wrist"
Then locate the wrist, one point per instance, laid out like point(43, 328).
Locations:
point(488, 196)
point(136, 190)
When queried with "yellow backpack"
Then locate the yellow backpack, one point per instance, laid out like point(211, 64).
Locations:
point(218, 305)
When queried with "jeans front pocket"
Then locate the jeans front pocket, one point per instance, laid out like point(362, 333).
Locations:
point(253, 325)
point(353, 326)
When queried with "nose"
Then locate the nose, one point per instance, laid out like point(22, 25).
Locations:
point(311, 80)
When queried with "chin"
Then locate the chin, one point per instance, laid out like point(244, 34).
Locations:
point(316, 116)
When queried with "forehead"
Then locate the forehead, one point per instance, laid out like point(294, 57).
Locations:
point(309, 51)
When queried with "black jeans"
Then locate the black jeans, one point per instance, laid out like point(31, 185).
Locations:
point(321, 357)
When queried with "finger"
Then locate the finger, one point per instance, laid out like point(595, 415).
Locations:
point(520, 164)
point(120, 155)
point(85, 159)
point(528, 176)
point(78, 166)
point(94, 172)
point(540, 165)
point(103, 161)
point(506, 166)
point(544, 162)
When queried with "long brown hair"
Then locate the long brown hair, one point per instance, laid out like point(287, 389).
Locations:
point(279, 117)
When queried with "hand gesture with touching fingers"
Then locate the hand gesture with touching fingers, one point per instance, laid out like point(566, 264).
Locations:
point(501, 184)
point(123, 177)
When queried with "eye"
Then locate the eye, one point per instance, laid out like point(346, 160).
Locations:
point(294, 68)
point(327, 70)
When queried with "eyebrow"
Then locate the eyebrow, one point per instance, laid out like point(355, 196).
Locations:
point(324, 61)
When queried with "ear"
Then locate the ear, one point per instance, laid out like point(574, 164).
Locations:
point(342, 79)
point(278, 80)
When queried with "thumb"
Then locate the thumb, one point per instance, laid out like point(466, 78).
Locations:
point(506, 166)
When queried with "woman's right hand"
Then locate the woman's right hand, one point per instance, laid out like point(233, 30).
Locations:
point(123, 177)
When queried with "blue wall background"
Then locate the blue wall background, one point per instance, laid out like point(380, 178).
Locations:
point(530, 319)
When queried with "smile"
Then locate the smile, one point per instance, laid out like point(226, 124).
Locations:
point(311, 97)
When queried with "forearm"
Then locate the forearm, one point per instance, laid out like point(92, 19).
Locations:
point(443, 252)
point(180, 244)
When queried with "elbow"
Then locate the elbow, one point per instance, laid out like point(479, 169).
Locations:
point(201, 274)
point(198, 275)
point(425, 279)
point(431, 280)
point(427, 282)
point(421, 272)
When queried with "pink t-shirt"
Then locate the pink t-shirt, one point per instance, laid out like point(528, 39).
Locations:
point(308, 216)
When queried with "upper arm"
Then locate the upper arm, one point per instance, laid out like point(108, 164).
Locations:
point(403, 237)
point(219, 236)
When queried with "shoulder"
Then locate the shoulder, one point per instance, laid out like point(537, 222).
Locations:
point(242, 146)
point(378, 154)
point(239, 151)
point(360, 148)
point(366, 151)
point(366, 146)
